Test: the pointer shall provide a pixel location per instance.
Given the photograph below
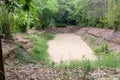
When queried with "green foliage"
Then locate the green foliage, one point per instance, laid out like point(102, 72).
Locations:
point(46, 10)
point(80, 12)
point(21, 15)
point(112, 16)
point(26, 17)
point(64, 11)
point(5, 21)
point(88, 13)
point(16, 16)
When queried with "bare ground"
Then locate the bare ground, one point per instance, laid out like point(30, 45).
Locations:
point(69, 46)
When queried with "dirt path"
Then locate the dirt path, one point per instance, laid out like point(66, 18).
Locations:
point(69, 47)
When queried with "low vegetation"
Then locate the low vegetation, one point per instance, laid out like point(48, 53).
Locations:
point(39, 49)
point(20, 55)
point(106, 58)
point(104, 61)
point(38, 53)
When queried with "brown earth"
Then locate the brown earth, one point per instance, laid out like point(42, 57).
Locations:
point(18, 71)
point(107, 35)
point(35, 72)
point(68, 29)
point(9, 46)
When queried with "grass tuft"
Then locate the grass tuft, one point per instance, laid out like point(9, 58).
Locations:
point(39, 50)
point(20, 55)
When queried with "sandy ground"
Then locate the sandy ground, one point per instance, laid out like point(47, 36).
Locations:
point(66, 47)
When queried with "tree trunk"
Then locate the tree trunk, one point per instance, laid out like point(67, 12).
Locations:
point(2, 74)
point(116, 26)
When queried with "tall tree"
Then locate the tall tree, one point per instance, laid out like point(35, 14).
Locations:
point(8, 11)
point(112, 17)
point(46, 10)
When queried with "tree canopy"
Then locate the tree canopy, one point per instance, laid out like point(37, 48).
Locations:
point(21, 15)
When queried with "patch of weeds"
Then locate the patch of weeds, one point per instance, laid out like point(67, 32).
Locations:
point(103, 48)
point(106, 58)
point(79, 64)
point(107, 61)
point(73, 64)
point(39, 50)
point(97, 49)
point(87, 69)
point(61, 65)
point(85, 65)
point(92, 40)
point(20, 55)
point(97, 46)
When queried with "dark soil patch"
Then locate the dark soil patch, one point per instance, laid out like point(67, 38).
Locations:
point(34, 72)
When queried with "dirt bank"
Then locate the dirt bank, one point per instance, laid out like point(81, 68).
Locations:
point(107, 35)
